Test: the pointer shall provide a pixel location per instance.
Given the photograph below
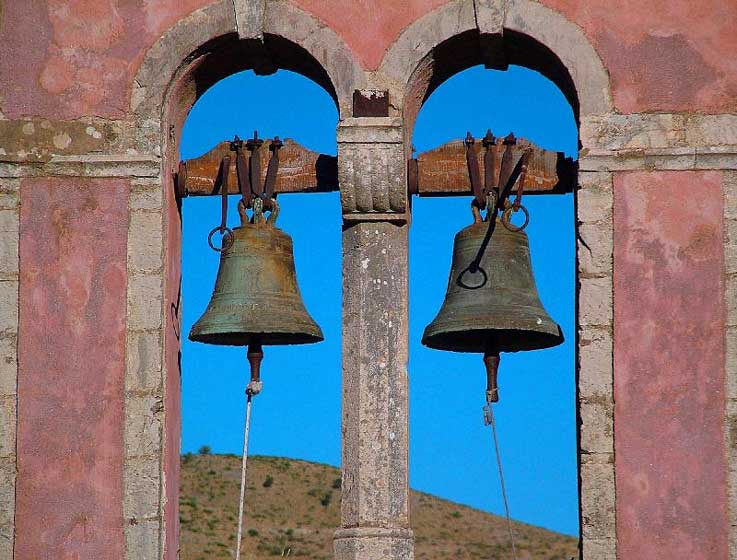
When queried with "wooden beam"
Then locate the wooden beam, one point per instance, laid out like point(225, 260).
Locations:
point(300, 170)
point(442, 171)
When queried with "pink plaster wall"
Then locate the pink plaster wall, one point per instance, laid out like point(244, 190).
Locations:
point(73, 58)
point(369, 27)
point(669, 366)
point(663, 55)
point(71, 348)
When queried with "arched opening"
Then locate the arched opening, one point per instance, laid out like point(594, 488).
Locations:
point(298, 413)
point(449, 94)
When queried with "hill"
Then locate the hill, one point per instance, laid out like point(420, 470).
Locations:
point(293, 508)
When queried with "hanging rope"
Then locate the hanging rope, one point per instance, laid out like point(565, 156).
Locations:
point(246, 431)
point(489, 420)
point(255, 355)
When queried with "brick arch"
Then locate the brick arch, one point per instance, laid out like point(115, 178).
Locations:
point(447, 41)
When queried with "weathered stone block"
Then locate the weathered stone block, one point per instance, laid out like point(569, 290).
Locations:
point(595, 363)
point(730, 246)
point(9, 242)
point(730, 195)
point(142, 488)
point(8, 416)
point(595, 197)
point(7, 505)
point(489, 16)
point(711, 130)
point(595, 246)
point(9, 306)
point(597, 425)
point(631, 131)
point(599, 549)
point(145, 241)
point(731, 362)
point(142, 539)
point(8, 365)
point(595, 302)
point(731, 297)
point(598, 517)
point(143, 361)
point(9, 189)
point(372, 180)
point(143, 425)
point(249, 18)
point(145, 297)
point(146, 195)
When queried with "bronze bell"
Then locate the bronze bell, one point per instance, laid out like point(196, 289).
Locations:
point(492, 304)
point(256, 299)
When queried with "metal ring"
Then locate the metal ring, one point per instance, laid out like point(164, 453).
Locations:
point(227, 239)
point(462, 284)
point(506, 217)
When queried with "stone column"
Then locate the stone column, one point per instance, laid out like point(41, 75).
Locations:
point(375, 506)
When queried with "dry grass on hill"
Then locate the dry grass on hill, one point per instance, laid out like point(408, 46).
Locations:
point(293, 508)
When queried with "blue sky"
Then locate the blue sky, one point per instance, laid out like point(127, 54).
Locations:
point(298, 414)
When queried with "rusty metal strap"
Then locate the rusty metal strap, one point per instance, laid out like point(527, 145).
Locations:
point(254, 169)
point(521, 182)
point(472, 162)
point(271, 172)
point(223, 229)
point(490, 184)
point(225, 171)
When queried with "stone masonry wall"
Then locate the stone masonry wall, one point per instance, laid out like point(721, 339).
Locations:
point(92, 97)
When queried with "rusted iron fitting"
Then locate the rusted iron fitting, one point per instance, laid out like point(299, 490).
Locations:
point(255, 356)
point(491, 361)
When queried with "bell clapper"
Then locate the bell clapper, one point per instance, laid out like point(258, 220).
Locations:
point(491, 361)
point(255, 356)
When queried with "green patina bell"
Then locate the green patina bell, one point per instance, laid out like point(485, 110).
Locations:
point(492, 307)
point(496, 307)
point(256, 299)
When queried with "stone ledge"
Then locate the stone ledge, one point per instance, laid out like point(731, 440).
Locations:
point(669, 158)
point(93, 165)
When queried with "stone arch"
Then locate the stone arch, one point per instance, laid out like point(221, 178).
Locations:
point(204, 47)
point(526, 33)
point(198, 51)
point(447, 41)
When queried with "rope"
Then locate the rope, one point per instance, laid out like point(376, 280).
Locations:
point(243, 474)
point(501, 480)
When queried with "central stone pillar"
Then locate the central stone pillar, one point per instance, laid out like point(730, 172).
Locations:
point(375, 506)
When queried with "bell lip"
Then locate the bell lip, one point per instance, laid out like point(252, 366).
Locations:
point(263, 338)
point(479, 341)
